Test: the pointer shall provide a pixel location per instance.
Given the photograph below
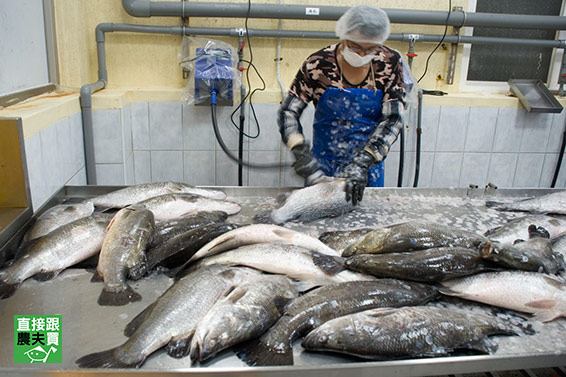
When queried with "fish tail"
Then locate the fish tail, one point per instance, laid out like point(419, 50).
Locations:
point(108, 359)
point(119, 298)
point(257, 353)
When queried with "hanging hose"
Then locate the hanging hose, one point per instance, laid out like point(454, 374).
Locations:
point(225, 148)
point(419, 132)
point(560, 156)
point(401, 156)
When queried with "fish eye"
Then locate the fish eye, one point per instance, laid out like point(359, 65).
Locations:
point(323, 339)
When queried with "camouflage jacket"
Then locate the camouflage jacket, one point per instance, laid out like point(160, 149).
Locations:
point(320, 71)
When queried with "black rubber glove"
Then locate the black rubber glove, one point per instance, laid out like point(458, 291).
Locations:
point(305, 164)
point(356, 175)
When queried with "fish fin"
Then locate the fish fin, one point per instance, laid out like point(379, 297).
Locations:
point(180, 347)
point(225, 239)
point(284, 233)
point(483, 345)
point(327, 263)
point(138, 270)
point(541, 304)
point(44, 276)
point(449, 292)
point(262, 218)
point(257, 353)
point(136, 322)
point(235, 295)
point(96, 277)
point(280, 303)
point(545, 316)
point(106, 359)
point(7, 289)
point(119, 298)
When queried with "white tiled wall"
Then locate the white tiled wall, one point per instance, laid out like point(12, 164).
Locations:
point(147, 142)
point(55, 157)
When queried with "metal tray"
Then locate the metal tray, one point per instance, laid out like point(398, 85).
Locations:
point(535, 96)
point(88, 327)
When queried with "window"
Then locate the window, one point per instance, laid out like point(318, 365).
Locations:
point(27, 66)
point(489, 67)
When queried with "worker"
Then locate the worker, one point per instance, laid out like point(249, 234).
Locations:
point(357, 89)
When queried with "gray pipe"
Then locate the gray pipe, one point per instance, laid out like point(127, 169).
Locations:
point(88, 89)
point(146, 8)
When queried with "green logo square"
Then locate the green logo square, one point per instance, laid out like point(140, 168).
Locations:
point(38, 339)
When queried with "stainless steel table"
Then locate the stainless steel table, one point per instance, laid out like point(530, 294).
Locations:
point(88, 327)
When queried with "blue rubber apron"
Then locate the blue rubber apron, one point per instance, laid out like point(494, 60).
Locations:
point(343, 122)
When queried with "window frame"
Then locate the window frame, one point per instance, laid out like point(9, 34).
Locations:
point(499, 87)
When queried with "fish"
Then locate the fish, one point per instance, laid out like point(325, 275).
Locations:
point(293, 261)
point(261, 233)
point(553, 203)
point(530, 292)
point(323, 304)
point(123, 254)
point(534, 254)
point(246, 313)
point(427, 266)
point(559, 246)
point(172, 206)
point(175, 251)
point(168, 229)
point(413, 235)
point(57, 250)
point(133, 194)
point(55, 217)
point(171, 320)
point(324, 199)
point(341, 239)
point(518, 228)
point(410, 332)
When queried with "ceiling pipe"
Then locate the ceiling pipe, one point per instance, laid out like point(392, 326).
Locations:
point(147, 8)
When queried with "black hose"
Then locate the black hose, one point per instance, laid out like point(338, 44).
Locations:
point(419, 132)
point(560, 156)
point(241, 142)
point(401, 156)
point(227, 151)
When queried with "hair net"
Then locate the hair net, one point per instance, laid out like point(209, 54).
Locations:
point(363, 24)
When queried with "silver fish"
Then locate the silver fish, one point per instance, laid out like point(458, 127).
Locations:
point(171, 320)
point(134, 194)
point(171, 206)
point(122, 254)
point(293, 261)
point(325, 199)
point(245, 314)
point(414, 235)
point(261, 233)
point(518, 228)
point(57, 250)
point(323, 304)
point(55, 217)
point(390, 333)
point(550, 203)
point(530, 292)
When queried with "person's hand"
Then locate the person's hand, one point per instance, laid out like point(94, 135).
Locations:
point(305, 164)
point(356, 175)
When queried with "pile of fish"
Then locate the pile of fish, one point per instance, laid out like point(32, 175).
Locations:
point(257, 288)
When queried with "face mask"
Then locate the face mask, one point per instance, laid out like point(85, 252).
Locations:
point(354, 59)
